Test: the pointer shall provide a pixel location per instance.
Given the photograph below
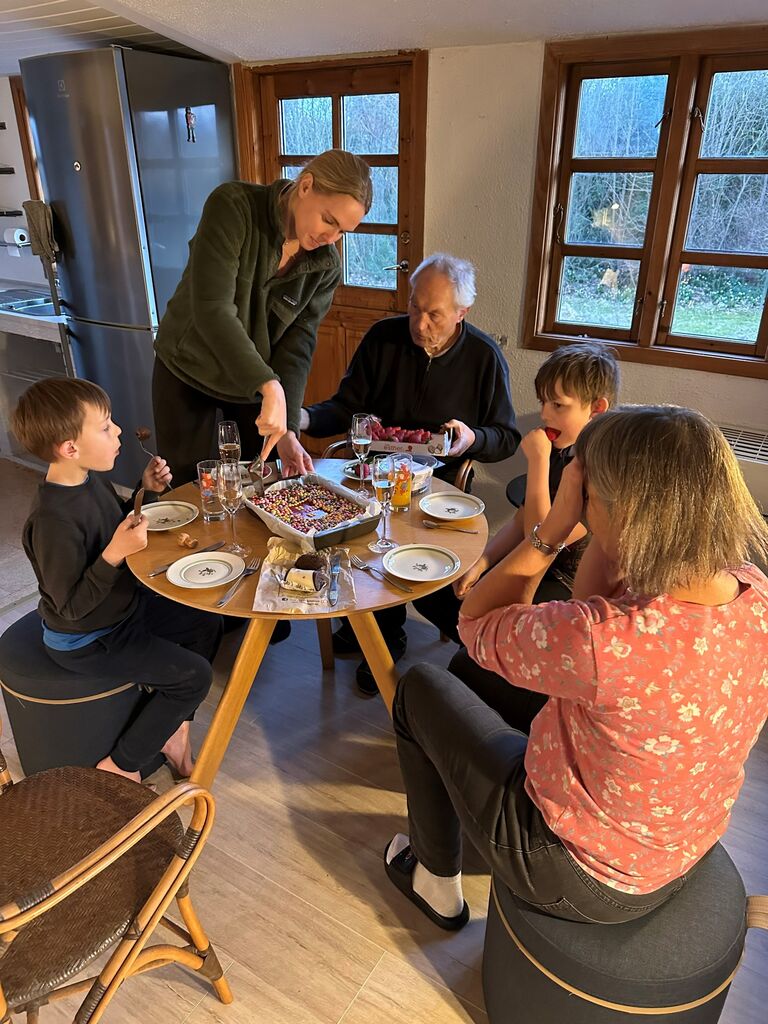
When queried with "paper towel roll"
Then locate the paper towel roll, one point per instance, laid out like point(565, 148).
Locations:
point(16, 236)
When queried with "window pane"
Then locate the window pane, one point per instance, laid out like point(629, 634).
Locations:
point(365, 257)
point(598, 291)
point(291, 172)
point(619, 116)
point(730, 213)
point(306, 125)
point(384, 207)
point(608, 209)
point(720, 302)
point(371, 124)
point(737, 115)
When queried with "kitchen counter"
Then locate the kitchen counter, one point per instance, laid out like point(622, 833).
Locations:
point(45, 328)
point(27, 324)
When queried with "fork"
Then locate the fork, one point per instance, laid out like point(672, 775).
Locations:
point(360, 564)
point(440, 526)
point(146, 450)
point(252, 567)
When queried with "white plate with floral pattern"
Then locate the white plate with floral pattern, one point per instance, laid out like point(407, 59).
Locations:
point(421, 563)
point(168, 515)
point(451, 505)
point(205, 569)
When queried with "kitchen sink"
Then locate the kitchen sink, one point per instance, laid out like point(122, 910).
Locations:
point(30, 307)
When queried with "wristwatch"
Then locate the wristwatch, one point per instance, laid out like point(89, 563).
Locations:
point(540, 545)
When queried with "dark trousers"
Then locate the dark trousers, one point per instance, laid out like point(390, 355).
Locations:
point(442, 608)
point(462, 761)
point(185, 424)
point(162, 645)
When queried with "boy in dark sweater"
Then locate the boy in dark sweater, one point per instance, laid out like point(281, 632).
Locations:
point(96, 618)
point(573, 385)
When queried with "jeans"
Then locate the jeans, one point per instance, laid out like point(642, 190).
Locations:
point(442, 608)
point(462, 762)
point(162, 645)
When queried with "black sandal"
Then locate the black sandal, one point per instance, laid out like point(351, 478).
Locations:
point(400, 873)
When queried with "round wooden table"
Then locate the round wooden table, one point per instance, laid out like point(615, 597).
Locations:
point(371, 595)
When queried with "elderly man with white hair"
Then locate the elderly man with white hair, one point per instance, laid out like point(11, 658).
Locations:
point(427, 369)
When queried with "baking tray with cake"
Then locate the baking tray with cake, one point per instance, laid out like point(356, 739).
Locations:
point(313, 511)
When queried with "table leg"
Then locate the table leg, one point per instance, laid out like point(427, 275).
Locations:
point(325, 639)
point(255, 643)
point(377, 654)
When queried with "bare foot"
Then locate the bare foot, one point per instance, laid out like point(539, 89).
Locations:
point(178, 751)
point(108, 765)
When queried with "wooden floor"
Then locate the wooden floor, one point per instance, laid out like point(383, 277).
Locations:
point(291, 886)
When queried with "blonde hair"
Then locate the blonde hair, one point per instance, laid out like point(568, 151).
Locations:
point(52, 411)
point(671, 482)
point(337, 172)
point(585, 370)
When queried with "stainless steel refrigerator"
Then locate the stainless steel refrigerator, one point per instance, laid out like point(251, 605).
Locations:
point(130, 143)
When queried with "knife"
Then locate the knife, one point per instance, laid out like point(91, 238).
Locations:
point(138, 501)
point(333, 589)
point(164, 568)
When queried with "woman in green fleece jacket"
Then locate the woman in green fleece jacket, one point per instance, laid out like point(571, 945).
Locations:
point(239, 333)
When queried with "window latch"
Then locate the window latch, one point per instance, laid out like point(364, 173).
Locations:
point(664, 117)
point(558, 222)
point(697, 114)
point(403, 266)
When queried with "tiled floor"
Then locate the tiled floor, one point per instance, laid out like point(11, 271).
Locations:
point(291, 886)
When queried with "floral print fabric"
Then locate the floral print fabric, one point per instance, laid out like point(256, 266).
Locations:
point(638, 757)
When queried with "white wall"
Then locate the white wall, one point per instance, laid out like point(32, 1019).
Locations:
point(482, 125)
point(13, 191)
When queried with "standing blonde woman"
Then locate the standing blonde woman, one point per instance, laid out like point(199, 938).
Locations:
point(642, 696)
point(239, 333)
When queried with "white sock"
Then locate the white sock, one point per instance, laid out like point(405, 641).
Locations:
point(443, 894)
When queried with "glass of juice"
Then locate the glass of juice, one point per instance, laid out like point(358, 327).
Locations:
point(213, 511)
point(401, 496)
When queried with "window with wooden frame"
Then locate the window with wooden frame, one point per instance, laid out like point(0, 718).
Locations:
point(650, 225)
point(373, 110)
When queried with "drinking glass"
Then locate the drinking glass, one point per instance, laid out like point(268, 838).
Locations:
point(360, 437)
point(229, 484)
point(401, 496)
point(209, 496)
point(383, 477)
point(229, 441)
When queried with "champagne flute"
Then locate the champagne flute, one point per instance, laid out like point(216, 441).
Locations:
point(229, 485)
point(229, 441)
point(361, 436)
point(383, 477)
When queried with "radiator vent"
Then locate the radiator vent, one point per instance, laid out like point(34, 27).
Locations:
point(749, 445)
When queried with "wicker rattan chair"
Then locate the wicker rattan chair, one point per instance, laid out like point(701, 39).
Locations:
point(89, 861)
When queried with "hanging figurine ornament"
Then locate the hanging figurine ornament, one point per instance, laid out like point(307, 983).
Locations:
point(191, 120)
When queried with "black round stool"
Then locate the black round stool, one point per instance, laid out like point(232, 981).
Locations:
point(57, 717)
point(673, 965)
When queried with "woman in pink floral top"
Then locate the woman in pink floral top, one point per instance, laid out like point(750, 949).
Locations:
point(649, 688)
